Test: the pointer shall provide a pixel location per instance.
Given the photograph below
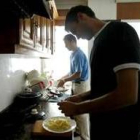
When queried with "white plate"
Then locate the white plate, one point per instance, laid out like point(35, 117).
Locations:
point(59, 89)
point(72, 124)
point(62, 89)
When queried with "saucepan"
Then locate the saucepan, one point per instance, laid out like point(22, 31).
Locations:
point(27, 98)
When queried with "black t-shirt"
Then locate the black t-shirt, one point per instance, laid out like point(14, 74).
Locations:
point(116, 45)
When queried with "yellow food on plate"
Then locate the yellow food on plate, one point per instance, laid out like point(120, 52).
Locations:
point(58, 124)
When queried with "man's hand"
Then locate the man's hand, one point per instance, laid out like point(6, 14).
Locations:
point(61, 82)
point(68, 108)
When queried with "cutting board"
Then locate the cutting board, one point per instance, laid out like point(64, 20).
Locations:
point(38, 130)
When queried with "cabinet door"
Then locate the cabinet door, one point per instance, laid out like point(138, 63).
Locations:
point(26, 33)
point(37, 32)
point(48, 36)
point(52, 37)
point(36, 36)
point(43, 33)
point(42, 37)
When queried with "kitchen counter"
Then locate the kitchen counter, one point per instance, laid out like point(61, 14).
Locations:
point(23, 129)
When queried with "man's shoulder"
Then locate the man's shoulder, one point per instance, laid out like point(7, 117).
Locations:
point(119, 24)
point(117, 28)
point(80, 52)
point(122, 27)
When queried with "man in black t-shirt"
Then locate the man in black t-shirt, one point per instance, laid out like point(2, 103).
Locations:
point(113, 102)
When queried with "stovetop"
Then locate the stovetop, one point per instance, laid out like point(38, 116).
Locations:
point(13, 119)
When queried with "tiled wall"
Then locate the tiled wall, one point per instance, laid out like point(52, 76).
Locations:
point(12, 75)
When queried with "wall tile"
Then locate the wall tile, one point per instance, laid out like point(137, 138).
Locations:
point(12, 75)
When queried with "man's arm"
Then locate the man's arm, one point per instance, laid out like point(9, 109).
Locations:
point(79, 97)
point(67, 75)
point(125, 94)
point(69, 78)
point(74, 76)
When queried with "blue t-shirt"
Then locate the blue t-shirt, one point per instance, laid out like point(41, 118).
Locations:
point(79, 63)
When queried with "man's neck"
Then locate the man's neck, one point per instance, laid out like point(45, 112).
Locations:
point(74, 48)
point(98, 24)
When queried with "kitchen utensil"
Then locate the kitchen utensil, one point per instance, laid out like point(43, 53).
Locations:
point(26, 99)
point(38, 86)
point(32, 74)
point(36, 80)
point(34, 111)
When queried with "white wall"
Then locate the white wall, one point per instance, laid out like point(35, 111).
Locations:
point(67, 4)
point(104, 9)
point(12, 75)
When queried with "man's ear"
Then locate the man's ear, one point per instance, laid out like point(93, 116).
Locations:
point(80, 16)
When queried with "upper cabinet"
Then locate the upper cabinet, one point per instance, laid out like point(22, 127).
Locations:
point(32, 35)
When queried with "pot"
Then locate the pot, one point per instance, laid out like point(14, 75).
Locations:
point(27, 99)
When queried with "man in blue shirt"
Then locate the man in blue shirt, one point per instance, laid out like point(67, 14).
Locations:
point(79, 74)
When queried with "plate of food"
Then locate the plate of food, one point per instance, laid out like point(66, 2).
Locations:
point(59, 124)
point(61, 89)
point(57, 89)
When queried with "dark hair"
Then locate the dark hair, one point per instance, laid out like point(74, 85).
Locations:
point(72, 14)
point(70, 38)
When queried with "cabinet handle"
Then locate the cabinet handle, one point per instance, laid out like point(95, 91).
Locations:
point(35, 26)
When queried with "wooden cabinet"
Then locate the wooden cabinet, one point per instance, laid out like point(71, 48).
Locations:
point(35, 36)
point(32, 36)
point(26, 32)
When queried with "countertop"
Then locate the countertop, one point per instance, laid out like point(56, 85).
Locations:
point(22, 129)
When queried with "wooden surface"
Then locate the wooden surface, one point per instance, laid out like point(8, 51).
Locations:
point(51, 109)
point(128, 10)
point(38, 130)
